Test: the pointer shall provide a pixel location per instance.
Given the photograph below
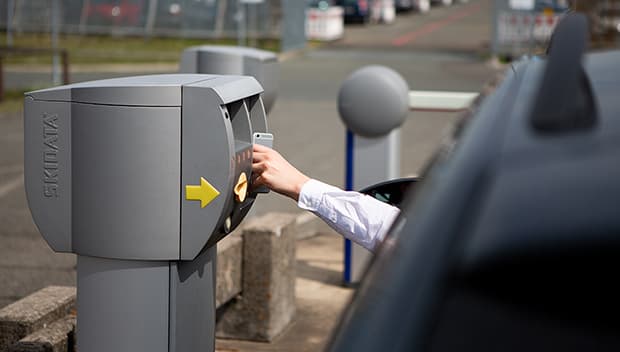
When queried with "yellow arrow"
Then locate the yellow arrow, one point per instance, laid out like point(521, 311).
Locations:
point(205, 193)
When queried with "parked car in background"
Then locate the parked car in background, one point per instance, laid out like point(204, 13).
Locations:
point(408, 5)
point(422, 6)
point(124, 12)
point(609, 12)
point(448, 2)
point(404, 5)
point(355, 11)
point(321, 4)
point(555, 5)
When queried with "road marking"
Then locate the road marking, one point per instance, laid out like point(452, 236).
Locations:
point(433, 26)
point(11, 185)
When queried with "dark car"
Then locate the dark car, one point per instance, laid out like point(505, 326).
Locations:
point(321, 4)
point(355, 11)
point(442, 2)
point(511, 241)
point(403, 5)
point(408, 5)
point(124, 12)
point(555, 5)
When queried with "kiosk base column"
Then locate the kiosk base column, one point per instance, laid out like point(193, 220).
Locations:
point(152, 306)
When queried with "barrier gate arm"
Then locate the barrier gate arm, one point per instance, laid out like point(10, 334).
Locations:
point(426, 100)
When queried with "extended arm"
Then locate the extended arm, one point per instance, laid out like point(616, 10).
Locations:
point(358, 217)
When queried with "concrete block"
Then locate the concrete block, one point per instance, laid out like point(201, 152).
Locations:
point(56, 337)
point(21, 318)
point(229, 272)
point(267, 303)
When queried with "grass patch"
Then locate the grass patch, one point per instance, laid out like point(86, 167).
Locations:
point(93, 49)
point(13, 100)
point(109, 49)
point(11, 104)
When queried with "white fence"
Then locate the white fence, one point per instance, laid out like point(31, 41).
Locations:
point(524, 26)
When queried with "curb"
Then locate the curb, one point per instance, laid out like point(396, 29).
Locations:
point(59, 336)
point(35, 312)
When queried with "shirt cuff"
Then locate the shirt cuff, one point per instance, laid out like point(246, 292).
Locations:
point(311, 194)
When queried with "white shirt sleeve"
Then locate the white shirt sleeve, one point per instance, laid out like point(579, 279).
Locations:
point(358, 217)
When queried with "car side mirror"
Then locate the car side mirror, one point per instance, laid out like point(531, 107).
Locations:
point(393, 191)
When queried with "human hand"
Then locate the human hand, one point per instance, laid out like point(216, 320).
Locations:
point(270, 169)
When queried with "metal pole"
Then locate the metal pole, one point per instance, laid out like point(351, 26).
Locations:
point(494, 27)
point(56, 79)
point(220, 19)
point(84, 16)
point(65, 67)
point(241, 24)
point(1, 80)
point(254, 21)
point(350, 141)
point(369, 161)
point(9, 22)
point(532, 40)
point(150, 19)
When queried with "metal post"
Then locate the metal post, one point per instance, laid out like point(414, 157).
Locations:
point(348, 187)
point(55, 29)
point(1, 80)
point(150, 19)
point(532, 40)
point(220, 18)
point(494, 28)
point(65, 66)
point(9, 22)
point(369, 161)
point(241, 23)
point(372, 160)
point(249, 17)
point(373, 103)
point(84, 16)
point(252, 9)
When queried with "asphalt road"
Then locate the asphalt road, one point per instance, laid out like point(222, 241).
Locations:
point(443, 50)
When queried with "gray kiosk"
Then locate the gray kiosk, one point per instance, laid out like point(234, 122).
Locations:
point(140, 177)
point(235, 60)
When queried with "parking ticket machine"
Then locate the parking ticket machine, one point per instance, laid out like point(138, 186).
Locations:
point(140, 177)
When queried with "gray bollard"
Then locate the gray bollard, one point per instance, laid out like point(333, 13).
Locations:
point(373, 102)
